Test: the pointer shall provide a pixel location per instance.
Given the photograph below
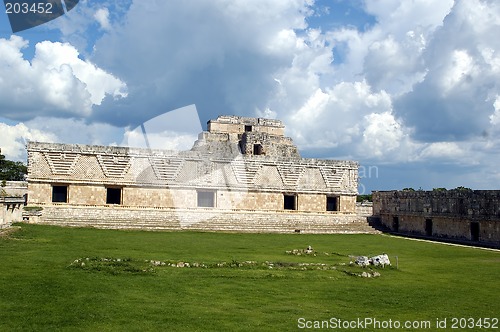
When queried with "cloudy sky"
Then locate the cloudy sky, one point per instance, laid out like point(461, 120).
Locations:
point(410, 89)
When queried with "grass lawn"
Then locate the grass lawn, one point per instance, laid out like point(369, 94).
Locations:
point(42, 288)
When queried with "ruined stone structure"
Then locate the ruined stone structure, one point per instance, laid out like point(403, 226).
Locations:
point(465, 215)
point(12, 201)
point(242, 174)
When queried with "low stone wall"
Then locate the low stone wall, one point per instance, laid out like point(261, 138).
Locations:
point(11, 210)
point(120, 217)
point(15, 188)
point(364, 209)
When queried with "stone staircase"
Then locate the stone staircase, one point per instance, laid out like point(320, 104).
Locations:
point(283, 222)
point(120, 217)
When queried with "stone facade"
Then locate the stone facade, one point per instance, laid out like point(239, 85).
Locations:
point(466, 215)
point(240, 165)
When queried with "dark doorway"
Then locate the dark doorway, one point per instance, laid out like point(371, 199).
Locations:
point(461, 207)
point(428, 227)
point(113, 195)
point(332, 203)
point(257, 149)
point(248, 128)
point(290, 202)
point(395, 224)
point(474, 231)
point(60, 194)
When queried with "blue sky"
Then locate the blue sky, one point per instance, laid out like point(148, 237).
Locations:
point(410, 89)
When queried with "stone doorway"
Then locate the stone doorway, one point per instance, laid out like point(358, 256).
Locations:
point(428, 227)
point(474, 231)
point(395, 224)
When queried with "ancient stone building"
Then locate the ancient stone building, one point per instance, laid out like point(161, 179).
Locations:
point(12, 201)
point(242, 174)
point(465, 215)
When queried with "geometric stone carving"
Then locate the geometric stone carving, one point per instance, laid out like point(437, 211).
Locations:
point(332, 176)
point(166, 169)
point(188, 172)
point(61, 162)
point(268, 176)
point(245, 170)
point(141, 171)
point(290, 173)
point(88, 168)
point(114, 166)
point(312, 179)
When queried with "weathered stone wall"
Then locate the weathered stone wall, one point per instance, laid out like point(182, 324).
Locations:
point(251, 200)
point(364, 209)
point(224, 162)
point(14, 189)
point(11, 209)
point(78, 194)
point(257, 143)
point(239, 125)
point(39, 193)
point(452, 202)
point(89, 169)
point(457, 214)
point(347, 204)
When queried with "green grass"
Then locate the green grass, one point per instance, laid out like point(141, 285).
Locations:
point(41, 290)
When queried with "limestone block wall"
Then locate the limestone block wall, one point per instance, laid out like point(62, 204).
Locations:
point(364, 209)
point(453, 202)
point(238, 125)
point(15, 188)
point(86, 194)
point(261, 143)
point(11, 209)
point(457, 214)
point(347, 203)
point(93, 194)
point(489, 231)
point(445, 227)
point(311, 202)
point(251, 200)
point(39, 193)
point(154, 197)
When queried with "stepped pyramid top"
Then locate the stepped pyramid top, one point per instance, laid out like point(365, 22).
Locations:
point(233, 124)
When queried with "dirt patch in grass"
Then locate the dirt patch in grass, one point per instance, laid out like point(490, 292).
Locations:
point(7, 232)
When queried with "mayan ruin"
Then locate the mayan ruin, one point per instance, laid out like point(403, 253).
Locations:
point(242, 174)
point(469, 216)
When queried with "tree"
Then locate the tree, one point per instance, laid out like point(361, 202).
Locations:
point(11, 170)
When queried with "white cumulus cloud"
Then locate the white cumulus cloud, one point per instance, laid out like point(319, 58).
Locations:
point(14, 138)
point(55, 82)
point(102, 17)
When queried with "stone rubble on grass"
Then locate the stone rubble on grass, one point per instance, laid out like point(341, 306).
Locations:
point(362, 261)
point(298, 252)
point(379, 260)
point(369, 275)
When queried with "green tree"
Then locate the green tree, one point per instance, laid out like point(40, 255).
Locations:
point(11, 170)
point(362, 198)
point(462, 188)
